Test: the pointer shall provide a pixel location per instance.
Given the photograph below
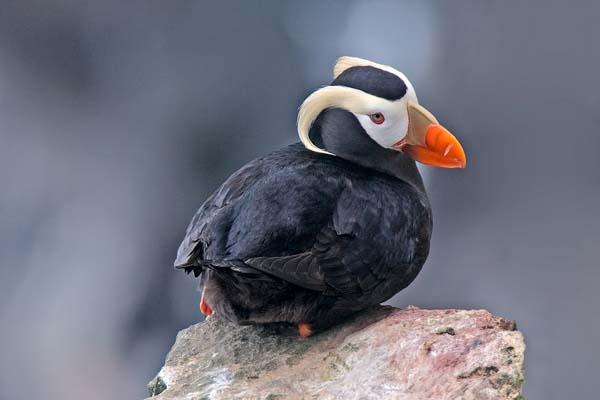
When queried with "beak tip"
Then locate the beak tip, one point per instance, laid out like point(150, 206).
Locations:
point(462, 160)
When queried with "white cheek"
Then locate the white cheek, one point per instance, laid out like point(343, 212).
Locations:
point(392, 130)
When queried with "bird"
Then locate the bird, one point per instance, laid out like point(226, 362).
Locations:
point(338, 222)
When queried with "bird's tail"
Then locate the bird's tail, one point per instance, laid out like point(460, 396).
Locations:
point(233, 265)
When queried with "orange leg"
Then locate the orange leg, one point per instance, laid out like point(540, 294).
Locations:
point(204, 308)
point(305, 329)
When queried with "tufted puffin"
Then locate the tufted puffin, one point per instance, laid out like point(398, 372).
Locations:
point(321, 229)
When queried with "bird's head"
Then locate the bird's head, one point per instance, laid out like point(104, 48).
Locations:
point(371, 106)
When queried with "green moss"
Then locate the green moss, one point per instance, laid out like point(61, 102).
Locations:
point(504, 379)
point(272, 396)
point(352, 347)
point(156, 386)
point(271, 365)
point(513, 384)
point(301, 347)
point(291, 361)
point(447, 331)
point(509, 354)
point(336, 363)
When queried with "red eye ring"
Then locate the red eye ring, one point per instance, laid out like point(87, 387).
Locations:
point(377, 118)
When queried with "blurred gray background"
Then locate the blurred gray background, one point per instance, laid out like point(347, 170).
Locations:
point(118, 120)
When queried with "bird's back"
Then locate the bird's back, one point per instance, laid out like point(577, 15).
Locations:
point(283, 198)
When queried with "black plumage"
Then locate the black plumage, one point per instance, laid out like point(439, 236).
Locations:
point(373, 81)
point(303, 237)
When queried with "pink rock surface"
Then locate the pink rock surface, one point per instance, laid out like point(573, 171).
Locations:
point(384, 353)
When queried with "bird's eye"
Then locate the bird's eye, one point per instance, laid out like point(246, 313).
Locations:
point(377, 118)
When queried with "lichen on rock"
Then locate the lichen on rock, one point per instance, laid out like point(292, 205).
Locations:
point(381, 353)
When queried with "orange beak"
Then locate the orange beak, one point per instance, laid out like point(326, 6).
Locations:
point(430, 143)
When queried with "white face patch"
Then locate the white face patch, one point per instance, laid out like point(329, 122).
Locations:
point(394, 127)
point(362, 105)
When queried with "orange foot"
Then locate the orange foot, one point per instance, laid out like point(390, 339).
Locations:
point(204, 308)
point(305, 329)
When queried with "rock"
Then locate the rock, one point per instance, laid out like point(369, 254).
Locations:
point(382, 353)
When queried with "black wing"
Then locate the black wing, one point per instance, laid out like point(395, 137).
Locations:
point(369, 238)
point(366, 239)
point(190, 252)
point(310, 220)
point(273, 206)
